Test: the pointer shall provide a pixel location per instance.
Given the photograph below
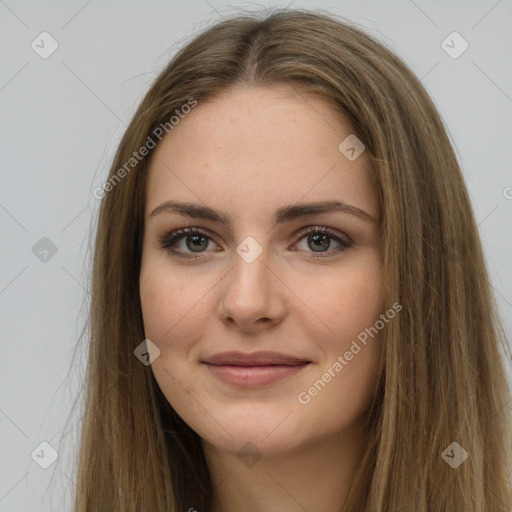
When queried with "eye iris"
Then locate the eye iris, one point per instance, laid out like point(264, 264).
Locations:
point(317, 240)
point(196, 242)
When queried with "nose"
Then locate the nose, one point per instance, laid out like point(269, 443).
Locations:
point(252, 295)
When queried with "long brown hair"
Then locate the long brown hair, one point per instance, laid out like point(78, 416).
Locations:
point(442, 378)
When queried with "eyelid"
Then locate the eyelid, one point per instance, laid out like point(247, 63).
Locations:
point(334, 233)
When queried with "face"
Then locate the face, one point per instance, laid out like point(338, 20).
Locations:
point(257, 308)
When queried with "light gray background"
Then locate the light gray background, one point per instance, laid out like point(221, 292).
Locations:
point(61, 120)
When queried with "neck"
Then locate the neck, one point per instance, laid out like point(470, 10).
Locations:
point(314, 477)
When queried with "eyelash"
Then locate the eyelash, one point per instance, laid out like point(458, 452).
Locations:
point(172, 238)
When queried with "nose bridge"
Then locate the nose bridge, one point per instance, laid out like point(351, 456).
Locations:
point(249, 292)
point(250, 270)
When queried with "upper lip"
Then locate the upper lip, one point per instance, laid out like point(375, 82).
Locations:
point(254, 359)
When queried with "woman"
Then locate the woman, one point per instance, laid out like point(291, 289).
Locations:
point(291, 309)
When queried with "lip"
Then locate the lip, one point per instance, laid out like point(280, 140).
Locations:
point(254, 370)
point(255, 359)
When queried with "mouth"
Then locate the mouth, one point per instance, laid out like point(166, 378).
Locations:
point(254, 370)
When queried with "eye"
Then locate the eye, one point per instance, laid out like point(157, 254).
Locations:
point(195, 240)
point(317, 238)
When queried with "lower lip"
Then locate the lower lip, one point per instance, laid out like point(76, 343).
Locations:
point(254, 376)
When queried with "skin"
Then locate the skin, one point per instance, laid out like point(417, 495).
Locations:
point(246, 153)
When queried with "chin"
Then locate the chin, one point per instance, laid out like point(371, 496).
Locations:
point(247, 441)
point(262, 433)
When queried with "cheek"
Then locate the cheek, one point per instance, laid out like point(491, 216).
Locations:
point(174, 311)
point(157, 307)
point(351, 300)
point(350, 305)
point(165, 303)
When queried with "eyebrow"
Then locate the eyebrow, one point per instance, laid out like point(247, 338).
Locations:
point(281, 215)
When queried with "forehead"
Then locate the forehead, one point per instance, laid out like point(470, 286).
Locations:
point(251, 147)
